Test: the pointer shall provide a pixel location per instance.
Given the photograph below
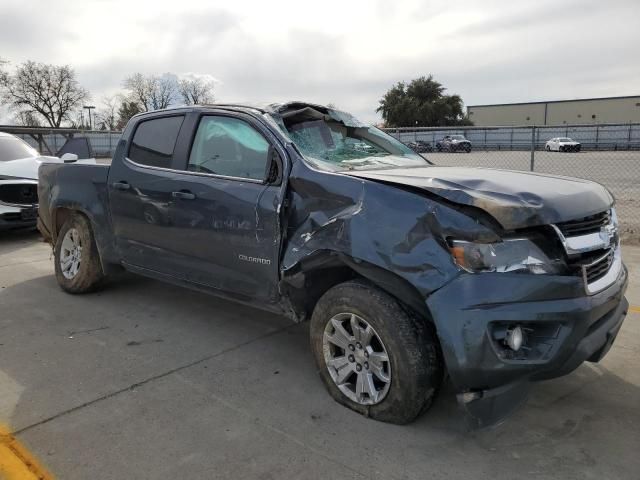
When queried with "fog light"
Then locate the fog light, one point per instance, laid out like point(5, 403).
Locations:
point(515, 338)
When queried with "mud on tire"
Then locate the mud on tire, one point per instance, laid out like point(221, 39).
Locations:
point(88, 275)
point(416, 368)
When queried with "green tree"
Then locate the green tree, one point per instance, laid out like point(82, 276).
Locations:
point(126, 110)
point(422, 102)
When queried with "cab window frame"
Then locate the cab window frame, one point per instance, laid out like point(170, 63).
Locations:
point(175, 156)
point(267, 134)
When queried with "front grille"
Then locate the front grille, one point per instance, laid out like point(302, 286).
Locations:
point(11, 217)
point(19, 193)
point(598, 269)
point(586, 225)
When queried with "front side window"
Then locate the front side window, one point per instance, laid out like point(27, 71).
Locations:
point(13, 148)
point(230, 147)
point(155, 140)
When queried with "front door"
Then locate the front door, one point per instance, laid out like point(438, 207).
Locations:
point(224, 213)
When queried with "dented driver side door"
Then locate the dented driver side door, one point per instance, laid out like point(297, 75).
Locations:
point(224, 208)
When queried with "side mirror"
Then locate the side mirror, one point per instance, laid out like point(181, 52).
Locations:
point(69, 158)
point(274, 167)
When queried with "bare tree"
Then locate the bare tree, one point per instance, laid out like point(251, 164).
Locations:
point(163, 92)
point(28, 118)
point(195, 90)
point(48, 91)
point(3, 74)
point(107, 115)
point(151, 92)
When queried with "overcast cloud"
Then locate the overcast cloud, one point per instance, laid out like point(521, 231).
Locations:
point(347, 52)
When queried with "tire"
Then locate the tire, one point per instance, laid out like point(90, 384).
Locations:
point(467, 149)
point(85, 271)
point(414, 367)
point(548, 148)
point(439, 148)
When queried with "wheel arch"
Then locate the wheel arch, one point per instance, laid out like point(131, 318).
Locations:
point(60, 214)
point(305, 282)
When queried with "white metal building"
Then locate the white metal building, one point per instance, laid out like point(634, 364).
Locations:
point(559, 112)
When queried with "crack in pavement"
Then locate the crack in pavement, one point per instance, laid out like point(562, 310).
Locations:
point(217, 398)
point(71, 334)
point(148, 380)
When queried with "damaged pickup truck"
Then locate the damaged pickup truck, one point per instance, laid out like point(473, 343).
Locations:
point(409, 272)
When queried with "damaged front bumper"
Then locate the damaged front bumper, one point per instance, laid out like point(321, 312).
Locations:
point(564, 327)
point(18, 216)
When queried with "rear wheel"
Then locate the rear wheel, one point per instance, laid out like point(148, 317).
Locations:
point(77, 263)
point(372, 356)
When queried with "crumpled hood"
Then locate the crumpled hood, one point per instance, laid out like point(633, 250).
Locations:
point(28, 167)
point(514, 199)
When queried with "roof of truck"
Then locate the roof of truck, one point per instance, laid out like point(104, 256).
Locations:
point(263, 107)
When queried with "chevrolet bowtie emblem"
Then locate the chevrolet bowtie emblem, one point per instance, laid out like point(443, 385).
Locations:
point(608, 233)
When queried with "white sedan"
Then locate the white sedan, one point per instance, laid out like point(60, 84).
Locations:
point(562, 144)
point(19, 164)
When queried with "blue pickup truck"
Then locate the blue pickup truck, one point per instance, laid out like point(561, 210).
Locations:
point(408, 272)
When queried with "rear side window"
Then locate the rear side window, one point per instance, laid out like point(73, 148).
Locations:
point(155, 140)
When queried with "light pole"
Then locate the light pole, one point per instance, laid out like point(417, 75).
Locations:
point(89, 107)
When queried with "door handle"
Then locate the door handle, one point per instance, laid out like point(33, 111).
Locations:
point(121, 186)
point(183, 195)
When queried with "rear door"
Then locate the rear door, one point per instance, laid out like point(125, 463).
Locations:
point(140, 192)
point(224, 212)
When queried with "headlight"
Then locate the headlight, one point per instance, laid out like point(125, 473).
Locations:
point(512, 255)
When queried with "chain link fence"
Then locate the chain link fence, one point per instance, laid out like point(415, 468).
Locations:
point(609, 154)
point(50, 141)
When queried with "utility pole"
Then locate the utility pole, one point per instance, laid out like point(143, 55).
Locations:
point(89, 107)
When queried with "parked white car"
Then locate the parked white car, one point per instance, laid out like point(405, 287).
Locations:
point(562, 144)
point(19, 163)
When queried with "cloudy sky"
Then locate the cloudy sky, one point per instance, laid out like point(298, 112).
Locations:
point(348, 52)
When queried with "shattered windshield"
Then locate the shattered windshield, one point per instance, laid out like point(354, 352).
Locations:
point(336, 141)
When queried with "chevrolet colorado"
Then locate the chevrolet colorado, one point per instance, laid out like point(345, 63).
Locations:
point(407, 271)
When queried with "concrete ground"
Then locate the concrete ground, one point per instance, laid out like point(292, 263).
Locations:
point(147, 380)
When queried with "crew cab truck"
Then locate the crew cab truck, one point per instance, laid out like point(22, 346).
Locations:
point(408, 272)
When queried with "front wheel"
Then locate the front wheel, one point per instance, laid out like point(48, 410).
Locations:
point(372, 356)
point(77, 263)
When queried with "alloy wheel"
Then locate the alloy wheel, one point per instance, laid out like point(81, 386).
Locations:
point(357, 359)
point(71, 253)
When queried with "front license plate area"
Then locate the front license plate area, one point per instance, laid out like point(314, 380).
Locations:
point(29, 214)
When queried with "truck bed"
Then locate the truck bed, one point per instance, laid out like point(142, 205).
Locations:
point(79, 187)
